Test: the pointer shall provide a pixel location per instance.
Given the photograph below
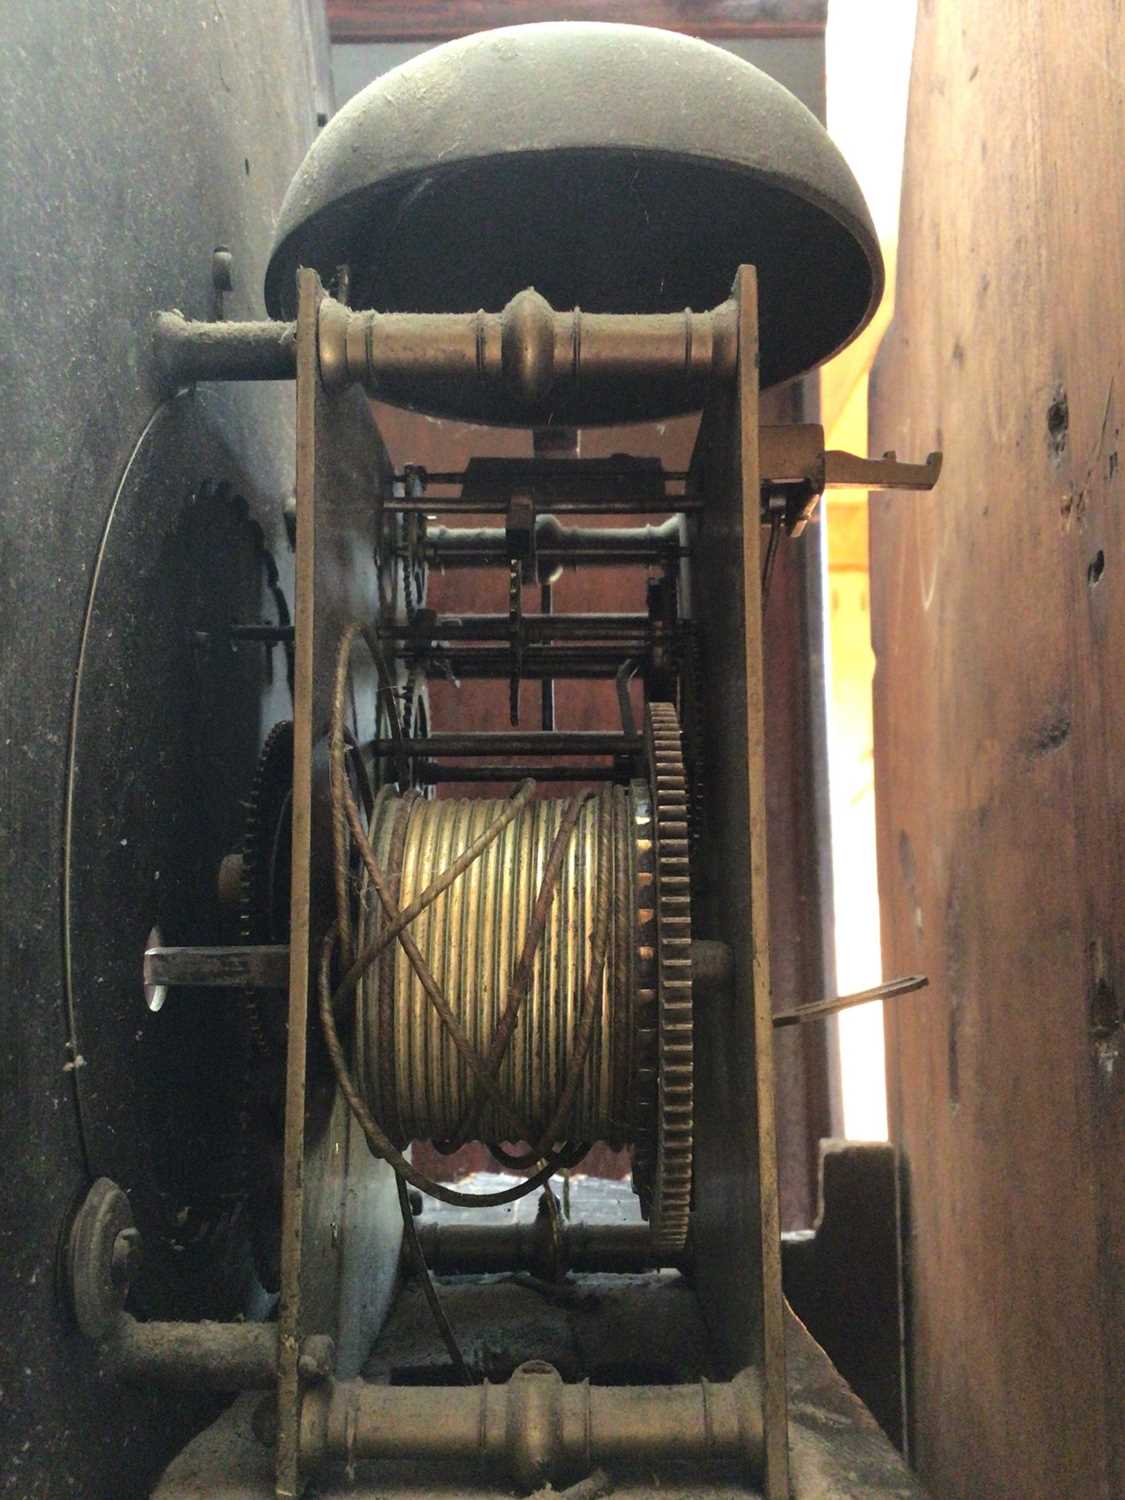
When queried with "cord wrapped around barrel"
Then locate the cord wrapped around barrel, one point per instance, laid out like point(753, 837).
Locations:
point(532, 950)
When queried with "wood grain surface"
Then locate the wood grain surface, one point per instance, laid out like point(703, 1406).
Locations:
point(999, 739)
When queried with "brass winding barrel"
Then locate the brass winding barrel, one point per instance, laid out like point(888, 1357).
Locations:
point(471, 938)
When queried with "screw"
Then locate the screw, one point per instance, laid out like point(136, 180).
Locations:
point(126, 1258)
point(317, 1359)
point(222, 269)
point(222, 278)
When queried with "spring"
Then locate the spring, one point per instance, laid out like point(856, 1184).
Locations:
point(512, 945)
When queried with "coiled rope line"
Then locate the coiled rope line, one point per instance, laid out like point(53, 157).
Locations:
point(347, 820)
point(474, 940)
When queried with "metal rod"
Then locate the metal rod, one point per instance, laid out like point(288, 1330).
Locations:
point(458, 476)
point(480, 546)
point(263, 966)
point(816, 1009)
point(614, 505)
point(536, 1427)
point(588, 557)
point(471, 662)
point(567, 742)
point(195, 1356)
point(513, 351)
point(434, 771)
point(574, 627)
point(188, 352)
point(481, 1249)
point(547, 690)
point(528, 350)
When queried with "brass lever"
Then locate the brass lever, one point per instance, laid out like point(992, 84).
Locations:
point(846, 471)
point(795, 466)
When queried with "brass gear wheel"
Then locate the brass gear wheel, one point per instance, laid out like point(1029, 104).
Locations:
point(662, 1163)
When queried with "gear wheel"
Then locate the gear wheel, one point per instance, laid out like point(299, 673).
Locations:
point(662, 1166)
point(264, 918)
point(691, 710)
point(266, 871)
point(266, 854)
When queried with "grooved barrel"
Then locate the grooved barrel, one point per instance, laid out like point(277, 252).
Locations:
point(474, 940)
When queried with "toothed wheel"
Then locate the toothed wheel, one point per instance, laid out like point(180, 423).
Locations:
point(662, 1162)
point(266, 869)
point(264, 912)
